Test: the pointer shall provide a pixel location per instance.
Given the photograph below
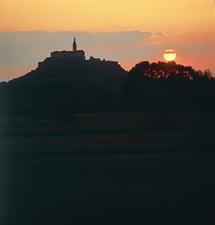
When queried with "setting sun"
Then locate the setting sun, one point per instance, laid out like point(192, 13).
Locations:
point(169, 55)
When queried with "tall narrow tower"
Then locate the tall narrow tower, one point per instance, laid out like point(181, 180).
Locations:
point(74, 45)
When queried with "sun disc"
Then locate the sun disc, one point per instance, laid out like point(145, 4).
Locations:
point(169, 55)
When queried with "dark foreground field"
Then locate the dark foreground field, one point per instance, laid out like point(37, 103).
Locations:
point(124, 168)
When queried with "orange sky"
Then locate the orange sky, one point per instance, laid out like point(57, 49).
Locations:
point(193, 49)
point(111, 15)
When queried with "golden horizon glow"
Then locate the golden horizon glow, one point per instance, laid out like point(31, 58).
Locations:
point(94, 15)
point(169, 55)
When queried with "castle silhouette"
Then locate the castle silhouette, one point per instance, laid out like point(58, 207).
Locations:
point(73, 56)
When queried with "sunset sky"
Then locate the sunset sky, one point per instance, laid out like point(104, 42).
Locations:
point(188, 26)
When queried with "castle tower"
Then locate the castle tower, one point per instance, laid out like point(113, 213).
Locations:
point(74, 45)
point(75, 55)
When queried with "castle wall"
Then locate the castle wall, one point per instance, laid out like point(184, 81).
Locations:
point(74, 55)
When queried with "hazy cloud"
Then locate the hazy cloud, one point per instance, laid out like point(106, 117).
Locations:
point(21, 51)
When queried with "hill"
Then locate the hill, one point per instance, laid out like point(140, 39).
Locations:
point(66, 83)
point(74, 84)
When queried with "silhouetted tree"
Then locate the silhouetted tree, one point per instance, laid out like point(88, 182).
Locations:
point(161, 86)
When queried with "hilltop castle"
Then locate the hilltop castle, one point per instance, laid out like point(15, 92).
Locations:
point(75, 55)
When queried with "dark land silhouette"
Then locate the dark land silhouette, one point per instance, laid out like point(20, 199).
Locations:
point(84, 141)
point(66, 84)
